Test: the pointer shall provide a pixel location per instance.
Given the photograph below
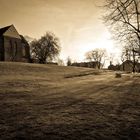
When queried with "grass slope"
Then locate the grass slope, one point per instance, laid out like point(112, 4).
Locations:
point(53, 102)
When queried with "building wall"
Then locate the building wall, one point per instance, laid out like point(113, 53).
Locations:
point(138, 67)
point(1, 49)
point(13, 49)
point(25, 50)
point(128, 66)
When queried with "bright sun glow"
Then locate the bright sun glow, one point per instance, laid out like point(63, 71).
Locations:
point(77, 52)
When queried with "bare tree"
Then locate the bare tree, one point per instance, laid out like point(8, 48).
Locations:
point(97, 55)
point(124, 13)
point(46, 48)
point(123, 18)
point(111, 58)
point(123, 58)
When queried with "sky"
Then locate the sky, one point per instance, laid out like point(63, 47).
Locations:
point(77, 23)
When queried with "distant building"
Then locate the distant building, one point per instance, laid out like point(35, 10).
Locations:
point(13, 46)
point(125, 66)
point(114, 67)
point(92, 64)
point(128, 66)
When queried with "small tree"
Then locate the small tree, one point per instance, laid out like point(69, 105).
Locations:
point(46, 48)
point(60, 62)
point(111, 58)
point(69, 61)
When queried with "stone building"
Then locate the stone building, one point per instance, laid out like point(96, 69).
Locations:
point(13, 46)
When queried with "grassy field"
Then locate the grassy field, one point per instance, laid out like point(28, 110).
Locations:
point(51, 102)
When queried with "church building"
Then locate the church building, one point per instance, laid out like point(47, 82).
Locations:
point(13, 46)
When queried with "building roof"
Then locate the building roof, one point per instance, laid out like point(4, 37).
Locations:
point(4, 29)
point(128, 62)
point(9, 31)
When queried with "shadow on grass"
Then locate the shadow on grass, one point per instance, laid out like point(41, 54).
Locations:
point(83, 74)
point(72, 117)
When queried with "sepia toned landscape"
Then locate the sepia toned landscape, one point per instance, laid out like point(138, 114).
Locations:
point(70, 70)
point(55, 102)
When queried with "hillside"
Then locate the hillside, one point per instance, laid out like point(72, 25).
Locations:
point(55, 102)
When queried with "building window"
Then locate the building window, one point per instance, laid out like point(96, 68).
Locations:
point(11, 47)
point(23, 51)
point(15, 49)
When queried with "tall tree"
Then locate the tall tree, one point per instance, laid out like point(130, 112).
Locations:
point(46, 48)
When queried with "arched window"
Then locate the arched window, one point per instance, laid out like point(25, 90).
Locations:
point(23, 51)
point(11, 47)
point(15, 49)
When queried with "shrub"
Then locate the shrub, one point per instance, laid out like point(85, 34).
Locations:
point(118, 75)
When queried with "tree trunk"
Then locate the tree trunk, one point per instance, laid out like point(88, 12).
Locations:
point(134, 61)
point(123, 66)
